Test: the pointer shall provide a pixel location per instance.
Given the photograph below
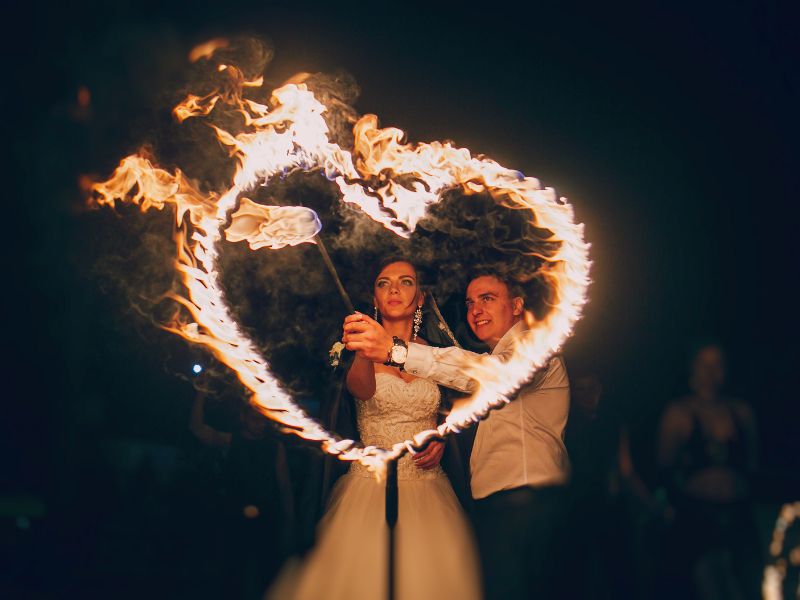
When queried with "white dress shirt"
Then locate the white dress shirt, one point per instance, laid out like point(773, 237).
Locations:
point(521, 444)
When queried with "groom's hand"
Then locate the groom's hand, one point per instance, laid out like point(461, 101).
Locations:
point(366, 337)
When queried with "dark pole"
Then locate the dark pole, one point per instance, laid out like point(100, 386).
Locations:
point(327, 465)
point(392, 510)
point(328, 461)
point(332, 270)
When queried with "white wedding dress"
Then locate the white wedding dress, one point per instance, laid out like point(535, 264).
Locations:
point(435, 551)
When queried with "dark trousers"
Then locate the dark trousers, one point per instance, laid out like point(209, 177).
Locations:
point(516, 532)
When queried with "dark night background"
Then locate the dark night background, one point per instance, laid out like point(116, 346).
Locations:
point(670, 127)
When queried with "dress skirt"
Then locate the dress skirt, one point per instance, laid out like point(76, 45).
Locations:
point(435, 551)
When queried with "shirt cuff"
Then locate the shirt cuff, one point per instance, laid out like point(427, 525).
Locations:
point(419, 360)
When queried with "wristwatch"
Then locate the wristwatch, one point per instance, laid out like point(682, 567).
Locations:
point(397, 353)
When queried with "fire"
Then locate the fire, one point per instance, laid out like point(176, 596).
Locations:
point(230, 93)
point(775, 573)
point(289, 132)
point(193, 106)
point(207, 49)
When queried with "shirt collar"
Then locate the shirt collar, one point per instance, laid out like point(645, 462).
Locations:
point(508, 336)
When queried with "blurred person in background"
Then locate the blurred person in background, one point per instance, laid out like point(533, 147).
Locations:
point(259, 499)
point(611, 510)
point(707, 452)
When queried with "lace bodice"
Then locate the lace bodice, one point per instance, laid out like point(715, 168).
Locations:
point(398, 410)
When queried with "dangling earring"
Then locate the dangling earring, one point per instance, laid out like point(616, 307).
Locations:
point(375, 313)
point(417, 322)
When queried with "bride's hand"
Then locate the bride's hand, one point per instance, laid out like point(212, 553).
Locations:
point(366, 337)
point(431, 456)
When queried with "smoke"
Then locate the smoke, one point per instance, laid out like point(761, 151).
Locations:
point(134, 262)
point(468, 234)
point(338, 91)
point(192, 144)
point(285, 299)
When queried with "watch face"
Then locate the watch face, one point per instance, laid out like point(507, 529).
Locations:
point(399, 354)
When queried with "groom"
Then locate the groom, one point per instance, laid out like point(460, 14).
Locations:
point(519, 463)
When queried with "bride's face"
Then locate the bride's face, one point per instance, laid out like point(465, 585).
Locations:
point(397, 293)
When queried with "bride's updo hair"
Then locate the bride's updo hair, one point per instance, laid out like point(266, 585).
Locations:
point(385, 261)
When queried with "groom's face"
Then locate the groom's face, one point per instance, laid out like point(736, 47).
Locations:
point(491, 311)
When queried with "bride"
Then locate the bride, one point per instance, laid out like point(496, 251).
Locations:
point(435, 553)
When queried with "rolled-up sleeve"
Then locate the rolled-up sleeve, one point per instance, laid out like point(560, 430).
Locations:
point(441, 365)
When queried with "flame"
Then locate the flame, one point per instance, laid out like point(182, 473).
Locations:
point(230, 94)
point(290, 132)
point(207, 49)
point(774, 574)
point(195, 106)
point(138, 181)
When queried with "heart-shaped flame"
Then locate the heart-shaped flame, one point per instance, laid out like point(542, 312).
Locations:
point(291, 133)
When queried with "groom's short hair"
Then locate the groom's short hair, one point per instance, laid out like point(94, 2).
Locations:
point(538, 294)
point(514, 287)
